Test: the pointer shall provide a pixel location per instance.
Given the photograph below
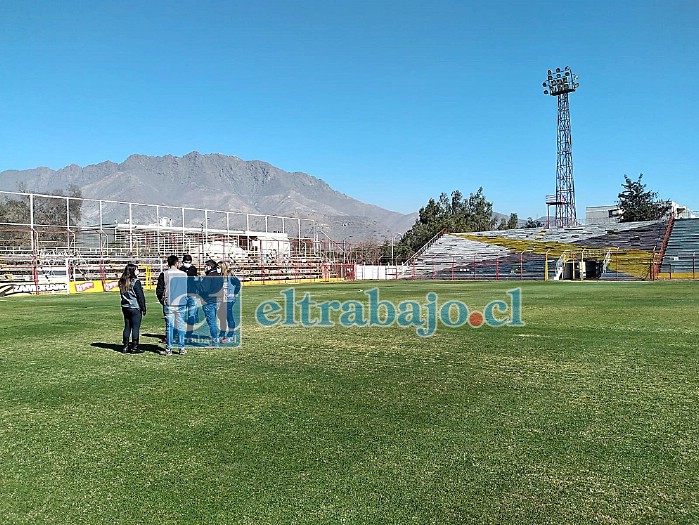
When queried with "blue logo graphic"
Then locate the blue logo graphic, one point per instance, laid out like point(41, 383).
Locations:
point(203, 311)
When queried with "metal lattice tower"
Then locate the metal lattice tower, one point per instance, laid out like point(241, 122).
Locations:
point(559, 84)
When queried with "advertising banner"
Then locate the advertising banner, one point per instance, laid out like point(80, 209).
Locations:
point(93, 286)
point(31, 280)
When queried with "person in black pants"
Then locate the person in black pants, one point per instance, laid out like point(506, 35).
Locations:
point(231, 291)
point(133, 306)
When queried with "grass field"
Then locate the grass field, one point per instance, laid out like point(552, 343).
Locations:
point(588, 414)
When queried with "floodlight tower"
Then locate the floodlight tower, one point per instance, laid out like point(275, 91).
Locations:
point(559, 84)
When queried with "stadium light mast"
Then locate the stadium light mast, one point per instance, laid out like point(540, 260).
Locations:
point(559, 84)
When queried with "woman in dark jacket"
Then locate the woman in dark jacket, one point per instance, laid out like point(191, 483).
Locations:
point(231, 288)
point(133, 306)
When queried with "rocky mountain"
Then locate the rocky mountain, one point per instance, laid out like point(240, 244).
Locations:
point(220, 182)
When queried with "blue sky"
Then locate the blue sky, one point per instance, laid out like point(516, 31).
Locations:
point(391, 102)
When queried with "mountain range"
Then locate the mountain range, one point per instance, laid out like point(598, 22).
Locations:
point(219, 182)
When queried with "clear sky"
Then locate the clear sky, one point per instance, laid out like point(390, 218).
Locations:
point(391, 102)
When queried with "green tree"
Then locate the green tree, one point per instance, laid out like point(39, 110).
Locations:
point(513, 221)
point(638, 204)
point(509, 224)
point(531, 223)
point(479, 213)
point(452, 213)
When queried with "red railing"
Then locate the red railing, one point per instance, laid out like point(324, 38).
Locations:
point(425, 247)
point(658, 257)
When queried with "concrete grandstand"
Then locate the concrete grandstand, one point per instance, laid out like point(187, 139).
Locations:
point(622, 251)
point(679, 256)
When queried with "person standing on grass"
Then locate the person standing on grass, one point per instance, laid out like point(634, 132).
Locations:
point(211, 291)
point(133, 307)
point(231, 289)
point(172, 292)
point(160, 294)
point(192, 306)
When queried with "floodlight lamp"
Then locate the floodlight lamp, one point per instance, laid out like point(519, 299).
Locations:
point(558, 70)
point(546, 91)
point(549, 72)
point(558, 75)
point(544, 84)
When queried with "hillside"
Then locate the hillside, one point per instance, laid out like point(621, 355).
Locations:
point(220, 182)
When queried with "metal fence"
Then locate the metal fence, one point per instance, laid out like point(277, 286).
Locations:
point(89, 242)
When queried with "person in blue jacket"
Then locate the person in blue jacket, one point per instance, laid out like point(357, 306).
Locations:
point(211, 295)
point(133, 307)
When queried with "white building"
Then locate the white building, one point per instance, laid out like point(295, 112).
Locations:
point(612, 214)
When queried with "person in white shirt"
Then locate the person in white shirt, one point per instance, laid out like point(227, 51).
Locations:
point(172, 294)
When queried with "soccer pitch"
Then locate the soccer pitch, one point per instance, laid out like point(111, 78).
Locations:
point(589, 413)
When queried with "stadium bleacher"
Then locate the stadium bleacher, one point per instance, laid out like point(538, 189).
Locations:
point(618, 251)
point(682, 247)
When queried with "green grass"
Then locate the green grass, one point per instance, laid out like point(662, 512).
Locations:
point(588, 414)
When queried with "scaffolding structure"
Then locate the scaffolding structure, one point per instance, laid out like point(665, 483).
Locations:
point(66, 244)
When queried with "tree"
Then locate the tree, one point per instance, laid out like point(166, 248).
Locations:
point(452, 213)
point(513, 221)
point(510, 224)
point(479, 216)
point(638, 204)
point(50, 215)
point(368, 251)
point(531, 223)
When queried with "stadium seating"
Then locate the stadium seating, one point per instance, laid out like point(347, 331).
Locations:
point(682, 247)
point(521, 253)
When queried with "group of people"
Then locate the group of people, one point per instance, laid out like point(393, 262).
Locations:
point(179, 290)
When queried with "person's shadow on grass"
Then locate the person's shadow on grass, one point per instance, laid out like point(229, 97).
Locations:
point(117, 347)
point(159, 337)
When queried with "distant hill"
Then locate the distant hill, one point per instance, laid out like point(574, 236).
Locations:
point(219, 182)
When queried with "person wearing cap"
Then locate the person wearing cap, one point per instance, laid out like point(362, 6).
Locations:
point(211, 292)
